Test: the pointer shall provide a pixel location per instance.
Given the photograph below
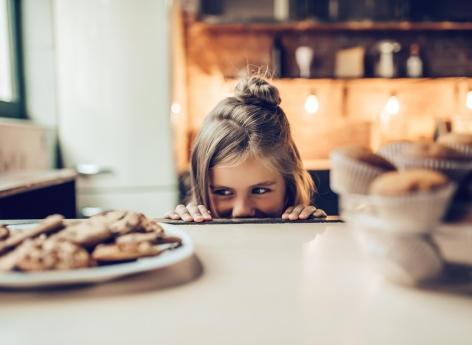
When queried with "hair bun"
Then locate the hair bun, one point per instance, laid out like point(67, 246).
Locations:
point(257, 89)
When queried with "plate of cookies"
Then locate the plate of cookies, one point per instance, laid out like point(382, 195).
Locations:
point(110, 245)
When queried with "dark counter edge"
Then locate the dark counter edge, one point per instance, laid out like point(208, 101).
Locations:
point(329, 219)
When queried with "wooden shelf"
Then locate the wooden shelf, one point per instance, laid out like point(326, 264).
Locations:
point(344, 26)
point(363, 79)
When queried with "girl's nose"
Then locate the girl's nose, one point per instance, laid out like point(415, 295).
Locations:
point(242, 209)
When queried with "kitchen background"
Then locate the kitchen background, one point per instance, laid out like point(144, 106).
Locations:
point(117, 89)
point(97, 81)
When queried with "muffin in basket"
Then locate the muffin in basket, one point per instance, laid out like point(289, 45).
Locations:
point(406, 260)
point(435, 156)
point(412, 201)
point(353, 168)
point(393, 149)
point(461, 142)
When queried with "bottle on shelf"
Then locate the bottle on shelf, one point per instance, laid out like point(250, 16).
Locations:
point(278, 57)
point(414, 64)
point(386, 67)
point(304, 59)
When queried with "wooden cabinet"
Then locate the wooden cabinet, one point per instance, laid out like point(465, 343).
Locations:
point(37, 194)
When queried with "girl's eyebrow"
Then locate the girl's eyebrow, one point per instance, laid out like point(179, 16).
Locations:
point(265, 184)
point(218, 187)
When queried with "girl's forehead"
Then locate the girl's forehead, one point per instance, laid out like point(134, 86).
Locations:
point(246, 159)
point(251, 170)
point(233, 160)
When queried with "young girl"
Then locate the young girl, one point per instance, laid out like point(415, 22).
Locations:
point(244, 162)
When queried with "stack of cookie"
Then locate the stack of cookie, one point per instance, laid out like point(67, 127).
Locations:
point(397, 197)
point(55, 244)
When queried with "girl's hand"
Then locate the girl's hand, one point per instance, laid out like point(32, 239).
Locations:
point(303, 212)
point(190, 213)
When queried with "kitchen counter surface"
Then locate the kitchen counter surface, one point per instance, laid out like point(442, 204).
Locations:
point(37, 193)
point(24, 181)
point(247, 284)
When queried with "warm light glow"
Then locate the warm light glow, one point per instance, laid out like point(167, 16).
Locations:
point(393, 105)
point(468, 100)
point(175, 108)
point(391, 109)
point(175, 112)
point(312, 104)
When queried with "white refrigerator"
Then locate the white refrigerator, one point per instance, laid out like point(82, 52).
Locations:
point(113, 60)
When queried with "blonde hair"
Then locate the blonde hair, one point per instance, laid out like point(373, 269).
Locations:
point(250, 123)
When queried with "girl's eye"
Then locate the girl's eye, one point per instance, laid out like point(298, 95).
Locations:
point(222, 192)
point(260, 190)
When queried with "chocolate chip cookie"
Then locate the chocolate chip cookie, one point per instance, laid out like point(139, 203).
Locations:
point(4, 232)
point(42, 254)
point(48, 225)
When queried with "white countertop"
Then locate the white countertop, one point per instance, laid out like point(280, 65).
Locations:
point(260, 284)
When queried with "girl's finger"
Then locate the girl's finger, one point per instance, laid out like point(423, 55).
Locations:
point(319, 213)
point(175, 216)
point(171, 215)
point(195, 213)
point(295, 212)
point(307, 212)
point(205, 212)
point(183, 213)
point(287, 212)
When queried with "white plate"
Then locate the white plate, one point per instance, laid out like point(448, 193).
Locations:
point(100, 273)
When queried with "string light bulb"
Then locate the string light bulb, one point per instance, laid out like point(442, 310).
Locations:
point(312, 104)
point(175, 108)
point(393, 105)
point(391, 109)
point(468, 100)
point(175, 111)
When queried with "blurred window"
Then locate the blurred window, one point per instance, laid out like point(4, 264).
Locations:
point(11, 83)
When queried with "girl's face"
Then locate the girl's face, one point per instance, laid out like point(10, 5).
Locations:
point(248, 189)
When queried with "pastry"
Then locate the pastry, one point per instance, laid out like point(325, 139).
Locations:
point(412, 201)
point(432, 150)
point(131, 221)
point(9, 260)
point(435, 156)
point(393, 149)
point(455, 138)
point(151, 226)
point(105, 226)
point(51, 254)
point(124, 251)
point(46, 226)
point(366, 156)
point(86, 233)
point(4, 232)
point(134, 239)
point(135, 245)
point(354, 167)
point(461, 142)
point(55, 244)
point(407, 182)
